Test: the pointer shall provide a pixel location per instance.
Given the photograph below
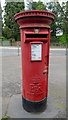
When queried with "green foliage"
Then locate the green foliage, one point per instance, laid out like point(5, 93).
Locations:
point(10, 27)
point(11, 39)
point(40, 6)
point(5, 118)
point(0, 12)
point(2, 38)
point(57, 10)
point(63, 38)
point(36, 5)
point(54, 39)
point(7, 32)
point(61, 20)
point(64, 24)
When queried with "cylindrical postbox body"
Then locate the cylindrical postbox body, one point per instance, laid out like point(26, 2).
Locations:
point(35, 40)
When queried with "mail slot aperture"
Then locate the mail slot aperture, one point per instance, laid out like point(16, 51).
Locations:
point(35, 36)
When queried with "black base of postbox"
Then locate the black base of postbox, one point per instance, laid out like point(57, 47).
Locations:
point(30, 106)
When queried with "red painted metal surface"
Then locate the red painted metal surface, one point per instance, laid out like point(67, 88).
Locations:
point(34, 72)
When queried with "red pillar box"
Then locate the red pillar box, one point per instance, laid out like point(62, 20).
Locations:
point(35, 41)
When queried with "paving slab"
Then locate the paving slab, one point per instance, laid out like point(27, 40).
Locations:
point(12, 83)
point(15, 109)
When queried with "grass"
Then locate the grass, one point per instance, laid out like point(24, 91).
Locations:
point(5, 118)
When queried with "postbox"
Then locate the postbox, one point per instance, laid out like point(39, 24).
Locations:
point(35, 42)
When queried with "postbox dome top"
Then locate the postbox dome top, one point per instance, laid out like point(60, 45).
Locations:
point(34, 16)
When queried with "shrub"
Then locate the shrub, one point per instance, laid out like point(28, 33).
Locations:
point(63, 38)
point(2, 38)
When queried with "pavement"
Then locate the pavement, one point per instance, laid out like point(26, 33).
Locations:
point(11, 88)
